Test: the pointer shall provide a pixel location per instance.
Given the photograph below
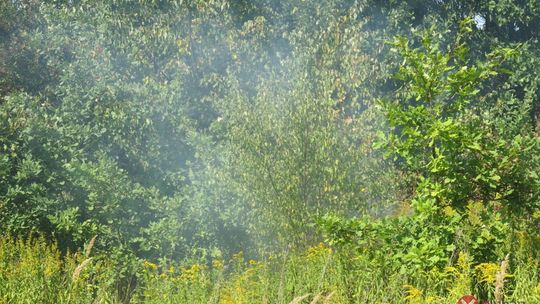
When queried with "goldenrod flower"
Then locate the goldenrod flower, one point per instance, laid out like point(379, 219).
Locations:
point(192, 272)
point(414, 295)
point(317, 251)
point(217, 264)
point(488, 272)
point(150, 265)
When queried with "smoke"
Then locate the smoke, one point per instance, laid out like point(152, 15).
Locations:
point(227, 124)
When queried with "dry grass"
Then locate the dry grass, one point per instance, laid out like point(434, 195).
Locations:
point(299, 299)
point(79, 269)
point(82, 265)
point(316, 298)
point(500, 277)
point(90, 246)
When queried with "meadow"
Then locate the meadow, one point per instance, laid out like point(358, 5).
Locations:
point(33, 271)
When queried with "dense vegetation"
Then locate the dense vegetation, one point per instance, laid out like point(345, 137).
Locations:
point(262, 151)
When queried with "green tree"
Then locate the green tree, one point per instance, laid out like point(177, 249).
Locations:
point(445, 131)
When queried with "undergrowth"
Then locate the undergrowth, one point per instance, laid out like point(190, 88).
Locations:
point(34, 271)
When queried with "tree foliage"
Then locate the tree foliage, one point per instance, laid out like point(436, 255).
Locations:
point(200, 128)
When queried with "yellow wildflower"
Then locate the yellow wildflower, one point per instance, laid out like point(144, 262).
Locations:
point(192, 272)
point(414, 295)
point(488, 272)
point(217, 264)
point(150, 265)
point(317, 251)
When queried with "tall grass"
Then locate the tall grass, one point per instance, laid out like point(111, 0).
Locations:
point(33, 271)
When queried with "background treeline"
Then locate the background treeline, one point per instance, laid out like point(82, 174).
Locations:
point(405, 132)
